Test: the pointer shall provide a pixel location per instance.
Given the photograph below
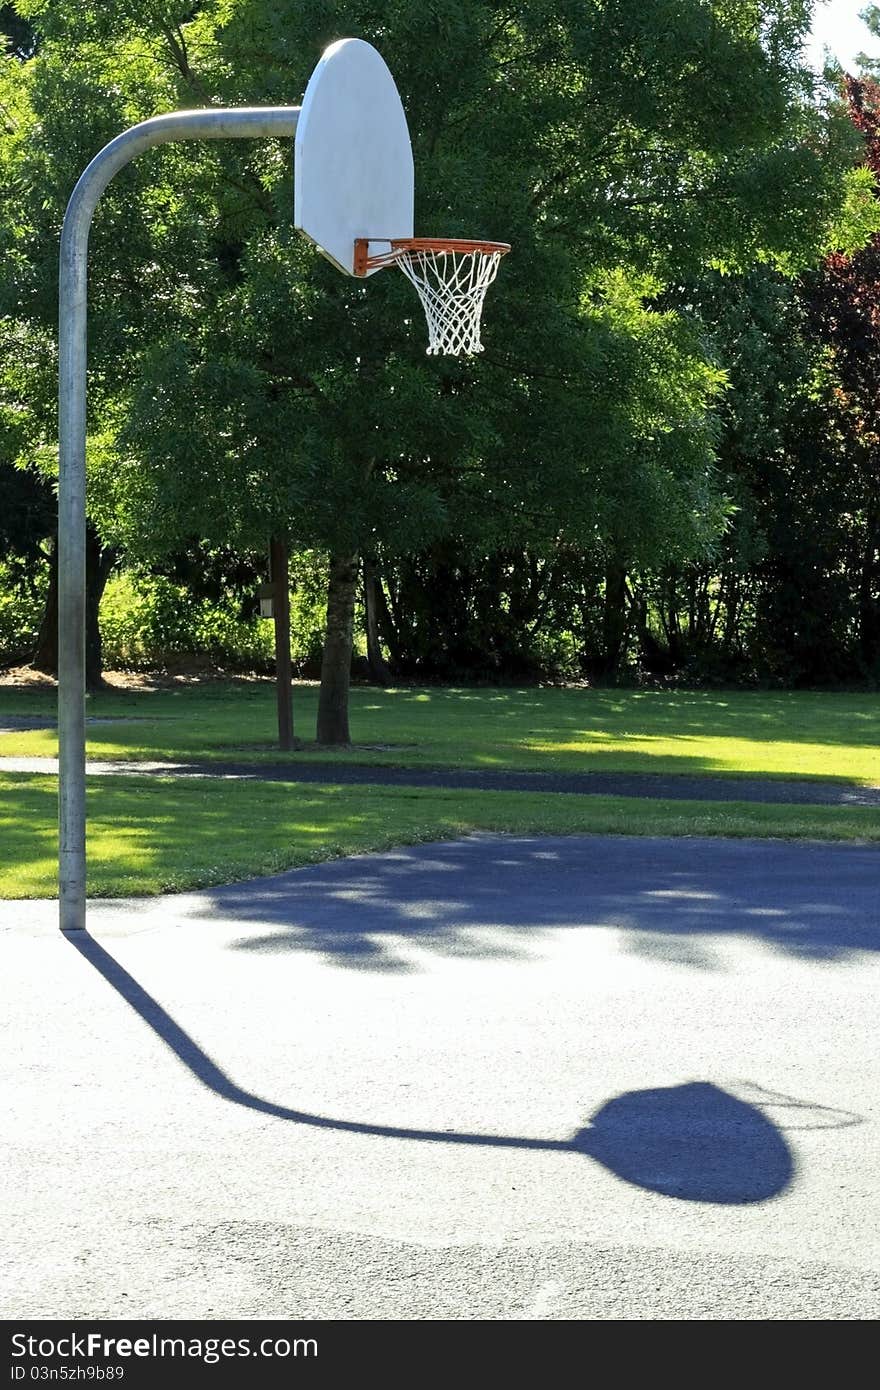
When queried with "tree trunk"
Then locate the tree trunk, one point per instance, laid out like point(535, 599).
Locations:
point(380, 671)
point(99, 566)
point(45, 653)
point(869, 608)
point(613, 619)
point(388, 629)
point(336, 659)
point(280, 578)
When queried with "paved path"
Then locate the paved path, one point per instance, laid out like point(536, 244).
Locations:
point(506, 1078)
point(675, 787)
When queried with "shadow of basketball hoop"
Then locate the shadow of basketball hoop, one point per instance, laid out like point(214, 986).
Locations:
point(695, 1141)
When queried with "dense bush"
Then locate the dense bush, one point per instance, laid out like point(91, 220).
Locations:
point(21, 608)
point(148, 621)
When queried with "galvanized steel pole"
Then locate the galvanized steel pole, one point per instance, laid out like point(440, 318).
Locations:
point(255, 122)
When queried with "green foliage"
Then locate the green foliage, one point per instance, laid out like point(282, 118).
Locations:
point(19, 36)
point(308, 609)
point(21, 607)
point(240, 387)
point(150, 622)
point(778, 603)
point(254, 388)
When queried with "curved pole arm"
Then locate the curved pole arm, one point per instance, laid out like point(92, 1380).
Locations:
point(249, 122)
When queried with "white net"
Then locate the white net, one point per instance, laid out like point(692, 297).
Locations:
point(452, 286)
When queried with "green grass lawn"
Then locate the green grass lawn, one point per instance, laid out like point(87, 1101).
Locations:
point(150, 835)
point(790, 734)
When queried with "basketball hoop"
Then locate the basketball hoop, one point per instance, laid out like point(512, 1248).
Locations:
point(451, 277)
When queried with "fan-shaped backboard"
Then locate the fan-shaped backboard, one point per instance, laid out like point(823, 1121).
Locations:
point(353, 175)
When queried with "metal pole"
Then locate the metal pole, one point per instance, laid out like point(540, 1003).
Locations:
point(253, 122)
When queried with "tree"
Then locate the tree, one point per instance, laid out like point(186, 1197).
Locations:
point(773, 600)
point(21, 40)
point(252, 391)
point(844, 303)
point(55, 115)
point(27, 514)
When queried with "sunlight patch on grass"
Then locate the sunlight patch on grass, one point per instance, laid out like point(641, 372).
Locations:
point(164, 834)
point(739, 733)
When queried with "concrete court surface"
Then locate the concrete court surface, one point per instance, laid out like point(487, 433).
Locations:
point(501, 1078)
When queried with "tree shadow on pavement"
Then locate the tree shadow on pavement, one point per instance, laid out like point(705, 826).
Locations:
point(694, 1142)
point(674, 899)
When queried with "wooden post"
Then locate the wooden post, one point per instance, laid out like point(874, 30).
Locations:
point(279, 575)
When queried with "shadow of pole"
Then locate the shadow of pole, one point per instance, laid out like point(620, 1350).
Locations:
point(695, 1142)
point(206, 1070)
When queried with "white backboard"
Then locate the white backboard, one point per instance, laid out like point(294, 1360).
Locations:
point(353, 171)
